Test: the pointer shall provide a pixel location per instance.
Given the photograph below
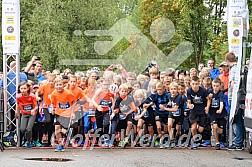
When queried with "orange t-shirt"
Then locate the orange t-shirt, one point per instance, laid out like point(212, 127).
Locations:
point(63, 102)
point(26, 103)
point(78, 94)
point(46, 90)
point(104, 98)
point(225, 79)
point(89, 92)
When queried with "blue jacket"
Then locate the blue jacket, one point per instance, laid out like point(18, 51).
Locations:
point(214, 73)
point(12, 85)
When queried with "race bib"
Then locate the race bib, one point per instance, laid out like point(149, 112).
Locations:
point(27, 107)
point(105, 103)
point(197, 100)
point(146, 114)
point(64, 106)
point(122, 116)
point(178, 113)
point(186, 107)
point(215, 103)
point(91, 113)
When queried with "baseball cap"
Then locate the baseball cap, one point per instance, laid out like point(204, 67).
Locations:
point(96, 69)
point(224, 63)
point(35, 86)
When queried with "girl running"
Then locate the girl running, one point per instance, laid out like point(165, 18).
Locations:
point(27, 104)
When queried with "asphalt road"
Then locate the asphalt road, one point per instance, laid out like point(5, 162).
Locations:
point(135, 157)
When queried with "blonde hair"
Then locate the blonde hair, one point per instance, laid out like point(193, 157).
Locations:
point(152, 84)
point(73, 76)
point(58, 79)
point(174, 84)
point(208, 81)
point(159, 85)
point(123, 87)
point(140, 93)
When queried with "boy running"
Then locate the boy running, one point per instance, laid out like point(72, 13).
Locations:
point(62, 106)
point(199, 103)
point(217, 111)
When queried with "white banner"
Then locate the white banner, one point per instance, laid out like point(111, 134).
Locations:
point(11, 26)
point(248, 102)
point(237, 23)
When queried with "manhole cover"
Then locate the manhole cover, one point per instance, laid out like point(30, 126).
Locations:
point(238, 158)
point(49, 159)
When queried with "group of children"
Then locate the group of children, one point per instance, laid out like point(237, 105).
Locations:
point(122, 112)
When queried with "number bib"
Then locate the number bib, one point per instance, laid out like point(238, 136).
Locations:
point(64, 106)
point(105, 103)
point(91, 113)
point(197, 100)
point(215, 103)
point(27, 107)
point(178, 113)
point(186, 107)
point(122, 116)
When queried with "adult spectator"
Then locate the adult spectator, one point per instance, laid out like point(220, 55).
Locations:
point(1, 75)
point(193, 72)
point(11, 82)
point(200, 66)
point(224, 77)
point(214, 72)
point(206, 71)
point(36, 74)
point(117, 66)
point(238, 118)
point(171, 72)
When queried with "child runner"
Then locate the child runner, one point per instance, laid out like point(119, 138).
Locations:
point(176, 115)
point(45, 91)
point(186, 123)
point(126, 107)
point(206, 135)
point(27, 104)
point(103, 100)
point(217, 111)
point(78, 94)
point(198, 103)
point(62, 106)
point(160, 99)
point(144, 116)
point(89, 111)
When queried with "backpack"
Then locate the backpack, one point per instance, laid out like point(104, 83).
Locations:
point(10, 139)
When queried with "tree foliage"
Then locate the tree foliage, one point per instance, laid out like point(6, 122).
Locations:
point(48, 28)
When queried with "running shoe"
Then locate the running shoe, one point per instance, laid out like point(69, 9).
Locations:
point(217, 146)
point(28, 145)
point(37, 144)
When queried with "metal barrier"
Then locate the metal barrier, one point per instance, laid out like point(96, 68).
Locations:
point(1, 114)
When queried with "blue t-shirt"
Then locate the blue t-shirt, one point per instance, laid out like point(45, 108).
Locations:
point(40, 77)
point(150, 98)
point(215, 105)
point(176, 101)
point(161, 99)
point(185, 108)
point(12, 84)
point(198, 99)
